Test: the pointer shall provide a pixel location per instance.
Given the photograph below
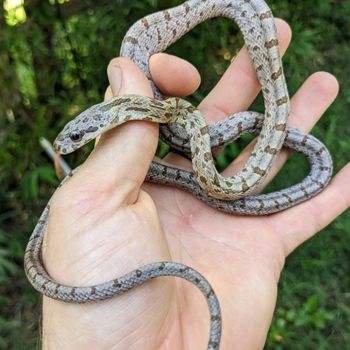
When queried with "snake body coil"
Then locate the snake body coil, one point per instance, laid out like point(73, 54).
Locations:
point(186, 131)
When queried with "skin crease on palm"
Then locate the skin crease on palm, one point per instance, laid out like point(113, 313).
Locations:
point(105, 222)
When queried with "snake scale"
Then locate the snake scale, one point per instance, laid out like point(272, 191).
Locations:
point(184, 128)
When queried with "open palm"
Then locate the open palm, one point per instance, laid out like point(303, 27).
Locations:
point(105, 222)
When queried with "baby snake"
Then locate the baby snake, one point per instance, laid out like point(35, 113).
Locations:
point(186, 131)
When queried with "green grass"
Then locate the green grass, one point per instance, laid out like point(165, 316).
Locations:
point(53, 60)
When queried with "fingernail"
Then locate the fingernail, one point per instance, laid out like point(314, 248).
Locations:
point(116, 77)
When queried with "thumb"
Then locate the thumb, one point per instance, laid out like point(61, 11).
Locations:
point(123, 155)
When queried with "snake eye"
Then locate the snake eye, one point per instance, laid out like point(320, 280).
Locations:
point(76, 136)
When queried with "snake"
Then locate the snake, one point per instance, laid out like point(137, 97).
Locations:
point(183, 127)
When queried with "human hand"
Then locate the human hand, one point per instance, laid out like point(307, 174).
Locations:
point(105, 222)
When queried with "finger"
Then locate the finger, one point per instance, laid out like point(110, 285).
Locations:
point(320, 211)
point(174, 76)
point(307, 106)
point(117, 158)
point(239, 86)
point(108, 93)
point(305, 111)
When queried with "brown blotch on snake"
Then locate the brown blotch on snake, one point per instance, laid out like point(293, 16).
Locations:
point(270, 44)
point(276, 75)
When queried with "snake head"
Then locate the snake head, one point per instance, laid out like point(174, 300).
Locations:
point(85, 127)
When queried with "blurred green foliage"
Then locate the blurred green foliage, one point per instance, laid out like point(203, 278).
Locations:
point(53, 58)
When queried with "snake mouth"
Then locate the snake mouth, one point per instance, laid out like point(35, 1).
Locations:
point(64, 144)
point(62, 149)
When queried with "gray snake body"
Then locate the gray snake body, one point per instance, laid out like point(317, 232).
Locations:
point(185, 130)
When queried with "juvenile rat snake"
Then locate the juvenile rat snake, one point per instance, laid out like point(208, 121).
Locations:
point(184, 128)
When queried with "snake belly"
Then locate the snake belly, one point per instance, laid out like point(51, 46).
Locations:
point(153, 34)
